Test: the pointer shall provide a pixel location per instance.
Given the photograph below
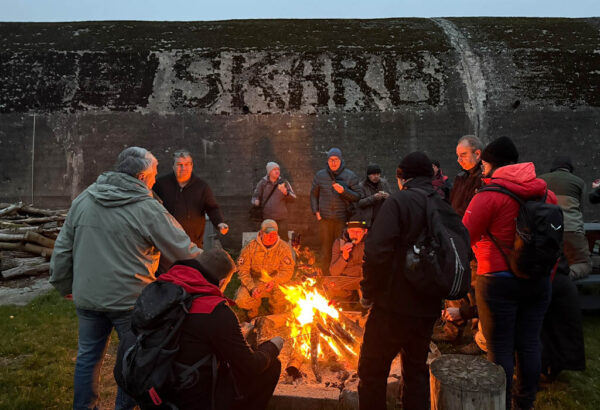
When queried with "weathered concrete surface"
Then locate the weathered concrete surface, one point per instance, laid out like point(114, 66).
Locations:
point(241, 93)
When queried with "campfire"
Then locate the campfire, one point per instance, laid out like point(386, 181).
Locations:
point(318, 331)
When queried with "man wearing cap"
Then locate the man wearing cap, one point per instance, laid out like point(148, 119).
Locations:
point(374, 190)
point(334, 191)
point(246, 377)
point(189, 198)
point(346, 262)
point(569, 190)
point(401, 317)
point(273, 194)
point(264, 264)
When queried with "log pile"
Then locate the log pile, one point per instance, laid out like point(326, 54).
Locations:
point(27, 236)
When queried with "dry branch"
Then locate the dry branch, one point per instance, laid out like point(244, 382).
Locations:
point(10, 208)
point(39, 250)
point(9, 263)
point(12, 237)
point(39, 239)
point(26, 270)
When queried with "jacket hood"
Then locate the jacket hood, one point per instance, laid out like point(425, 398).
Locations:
point(113, 189)
point(194, 282)
point(519, 179)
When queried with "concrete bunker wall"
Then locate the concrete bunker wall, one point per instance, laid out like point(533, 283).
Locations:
point(240, 93)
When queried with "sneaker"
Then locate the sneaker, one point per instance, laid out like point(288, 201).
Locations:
point(471, 349)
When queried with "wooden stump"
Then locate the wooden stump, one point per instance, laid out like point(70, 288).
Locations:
point(466, 383)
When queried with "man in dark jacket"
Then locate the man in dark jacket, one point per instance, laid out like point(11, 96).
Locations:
point(374, 190)
point(334, 191)
point(246, 378)
point(466, 184)
point(189, 198)
point(402, 317)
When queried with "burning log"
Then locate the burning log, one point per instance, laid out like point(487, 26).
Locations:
point(294, 365)
point(357, 331)
point(314, 351)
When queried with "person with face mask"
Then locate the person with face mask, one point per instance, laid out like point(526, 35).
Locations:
point(264, 264)
point(246, 378)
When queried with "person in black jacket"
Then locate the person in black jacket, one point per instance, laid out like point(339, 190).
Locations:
point(402, 317)
point(334, 191)
point(189, 198)
point(246, 378)
point(374, 190)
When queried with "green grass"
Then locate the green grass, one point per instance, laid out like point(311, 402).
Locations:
point(38, 346)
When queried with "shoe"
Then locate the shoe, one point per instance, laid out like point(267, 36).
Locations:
point(471, 349)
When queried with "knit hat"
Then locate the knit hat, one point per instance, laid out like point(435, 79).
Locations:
point(373, 169)
point(334, 152)
point(356, 224)
point(269, 225)
point(271, 166)
point(415, 164)
point(562, 162)
point(500, 152)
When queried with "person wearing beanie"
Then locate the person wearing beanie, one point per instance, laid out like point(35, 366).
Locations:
point(264, 264)
point(440, 181)
point(511, 310)
point(189, 199)
point(569, 190)
point(373, 191)
point(401, 318)
point(273, 194)
point(346, 263)
point(334, 193)
point(246, 377)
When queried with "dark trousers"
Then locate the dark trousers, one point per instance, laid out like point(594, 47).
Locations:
point(511, 312)
point(255, 392)
point(386, 335)
point(329, 231)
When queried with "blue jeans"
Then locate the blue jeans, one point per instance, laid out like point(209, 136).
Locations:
point(511, 312)
point(94, 336)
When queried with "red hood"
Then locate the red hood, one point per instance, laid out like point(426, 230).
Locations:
point(519, 179)
point(194, 282)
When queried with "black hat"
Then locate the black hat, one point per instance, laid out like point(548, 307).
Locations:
point(415, 164)
point(436, 163)
point(562, 162)
point(356, 224)
point(502, 151)
point(373, 169)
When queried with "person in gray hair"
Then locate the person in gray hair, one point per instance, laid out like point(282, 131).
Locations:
point(189, 199)
point(107, 251)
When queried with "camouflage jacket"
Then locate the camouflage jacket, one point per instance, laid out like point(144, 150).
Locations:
point(258, 263)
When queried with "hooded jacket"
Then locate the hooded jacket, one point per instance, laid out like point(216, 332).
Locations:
point(325, 200)
point(212, 327)
point(114, 230)
point(497, 212)
point(275, 208)
point(569, 190)
point(399, 222)
point(190, 204)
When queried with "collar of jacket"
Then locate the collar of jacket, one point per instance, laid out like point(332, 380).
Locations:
point(339, 170)
point(475, 170)
point(419, 182)
point(193, 179)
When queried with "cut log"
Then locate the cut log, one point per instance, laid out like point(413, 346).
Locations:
point(26, 270)
point(461, 382)
point(39, 220)
point(294, 365)
point(351, 326)
point(12, 237)
point(9, 263)
point(314, 351)
point(39, 239)
point(39, 250)
point(11, 246)
point(10, 209)
point(16, 254)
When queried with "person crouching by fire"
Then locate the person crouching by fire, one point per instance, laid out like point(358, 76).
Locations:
point(346, 263)
point(263, 265)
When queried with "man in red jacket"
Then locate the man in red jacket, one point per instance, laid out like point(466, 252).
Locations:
point(511, 309)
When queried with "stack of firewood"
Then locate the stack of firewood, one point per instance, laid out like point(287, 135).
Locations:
point(27, 236)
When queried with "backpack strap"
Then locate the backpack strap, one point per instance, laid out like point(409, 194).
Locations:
point(502, 190)
point(496, 242)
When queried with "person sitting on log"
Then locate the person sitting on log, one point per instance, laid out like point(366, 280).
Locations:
point(264, 264)
point(346, 263)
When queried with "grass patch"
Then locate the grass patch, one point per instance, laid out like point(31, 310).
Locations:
point(38, 346)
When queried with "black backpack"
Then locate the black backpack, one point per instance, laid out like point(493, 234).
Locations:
point(146, 368)
point(538, 236)
point(438, 263)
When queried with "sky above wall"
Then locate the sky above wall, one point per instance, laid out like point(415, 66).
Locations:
point(192, 10)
